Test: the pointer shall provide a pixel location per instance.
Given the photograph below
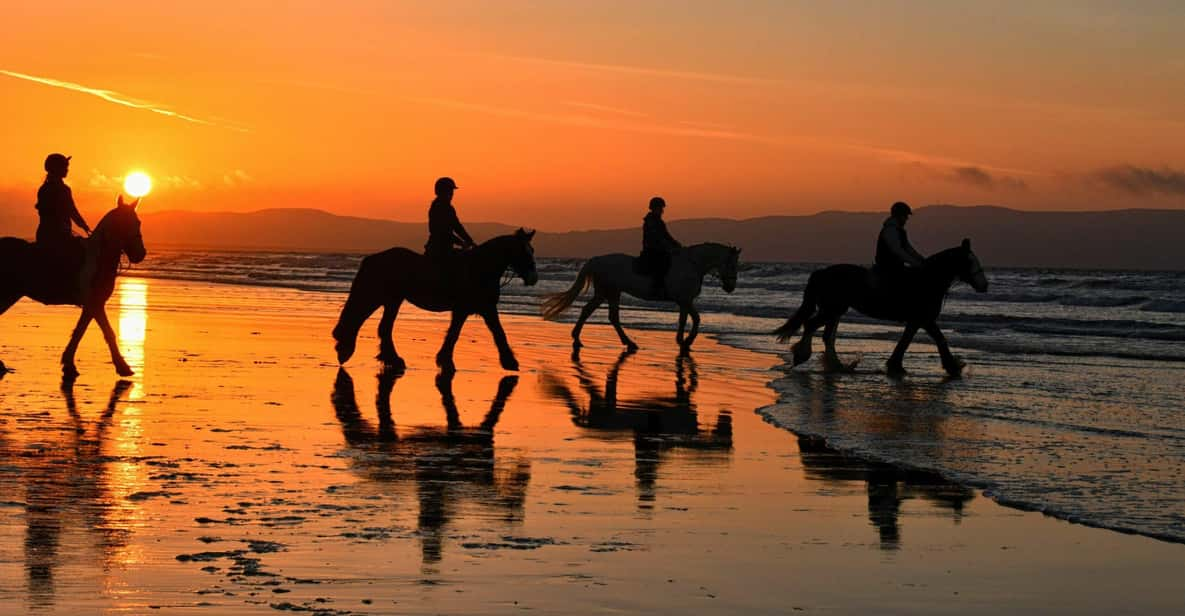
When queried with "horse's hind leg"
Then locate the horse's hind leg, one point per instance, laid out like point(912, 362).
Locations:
point(831, 362)
point(387, 353)
point(586, 312)
point(802, 349)
point(69, 370)
point(615, 319)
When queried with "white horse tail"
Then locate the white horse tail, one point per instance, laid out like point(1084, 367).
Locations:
point(809, 305)
point(556, 304)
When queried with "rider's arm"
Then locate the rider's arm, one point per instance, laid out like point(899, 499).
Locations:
point(75, 215)
point(902, 250)
point(459, 230)
point(671, 242)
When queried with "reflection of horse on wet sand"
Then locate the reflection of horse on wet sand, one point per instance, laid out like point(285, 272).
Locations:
point(450, 467)
point(658, 425)
point(66, 487)
point(25, 272)
point(913, 414)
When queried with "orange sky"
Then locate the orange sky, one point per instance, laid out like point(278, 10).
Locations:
point(564, 115)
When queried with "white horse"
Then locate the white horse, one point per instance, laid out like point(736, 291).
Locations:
point(611, 275)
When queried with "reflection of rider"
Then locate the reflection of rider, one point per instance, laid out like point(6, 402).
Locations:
point(444, 228)
point(55, 206)
point(657, 245)
point(893, 250)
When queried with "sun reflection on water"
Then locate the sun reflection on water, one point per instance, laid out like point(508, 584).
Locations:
point(132, 296)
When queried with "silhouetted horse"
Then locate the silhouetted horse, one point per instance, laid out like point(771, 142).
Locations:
point(470, 284)
point(915, 299)
point(26, 272)
point(614, 274)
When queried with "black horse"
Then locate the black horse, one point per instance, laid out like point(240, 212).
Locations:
point(470, 283)
point(26, 272)
point(915, 299)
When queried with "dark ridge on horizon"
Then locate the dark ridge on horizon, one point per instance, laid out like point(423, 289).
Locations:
point(1142, 239)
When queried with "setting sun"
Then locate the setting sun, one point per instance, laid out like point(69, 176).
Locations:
point(137, 184)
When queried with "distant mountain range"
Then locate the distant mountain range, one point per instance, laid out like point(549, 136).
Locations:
point(1121, 239)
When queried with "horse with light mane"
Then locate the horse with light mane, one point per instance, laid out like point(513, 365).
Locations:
point(26, 272)
point(613, 274)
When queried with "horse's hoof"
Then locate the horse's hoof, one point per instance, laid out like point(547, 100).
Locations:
point(631, 346)
point(577, 345)
point(69, 371)
point(510, 363)
point(124, 371)
point(954, 368)
point(895, 369)
point(800, 354)
point(834, 365)
point(684, 350)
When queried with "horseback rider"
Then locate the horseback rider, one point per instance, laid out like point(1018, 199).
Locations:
point(657, 245)
point(56, 209)
point(893, 250)
point(444, 228)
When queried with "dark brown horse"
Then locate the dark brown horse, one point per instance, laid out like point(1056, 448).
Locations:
point(470, 284)
point(26, 272)
point(916, 300)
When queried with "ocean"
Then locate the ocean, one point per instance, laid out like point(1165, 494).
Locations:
point(1072, 404)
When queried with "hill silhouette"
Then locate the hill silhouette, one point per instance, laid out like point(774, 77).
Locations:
point(1002, 237)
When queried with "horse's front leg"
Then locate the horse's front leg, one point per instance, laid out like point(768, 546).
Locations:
point(69, 370)
point(387, 353)
point(121, 365)
point(896, 366)
point(444, 358)
point(505, 355)
point(952, 364)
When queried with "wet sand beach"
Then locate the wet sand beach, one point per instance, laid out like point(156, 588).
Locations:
point(240, 471)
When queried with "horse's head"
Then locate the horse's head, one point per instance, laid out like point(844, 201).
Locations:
point(972, 272)
point(522, 259)
point(121, 230)
point(728, 271)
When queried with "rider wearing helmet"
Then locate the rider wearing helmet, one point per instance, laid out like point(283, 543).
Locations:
point(444, 228)
point(657, 245)
point(55, 205)
point(893, 250)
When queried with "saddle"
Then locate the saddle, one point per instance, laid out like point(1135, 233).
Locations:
point(61, 267)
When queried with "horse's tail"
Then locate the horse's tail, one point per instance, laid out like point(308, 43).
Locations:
point(810, 304)
point(556, 304)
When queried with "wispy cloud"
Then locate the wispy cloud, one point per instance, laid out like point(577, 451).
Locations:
point(1143, 180)
point(647, 71)
point(114, 97)
point(578, 119)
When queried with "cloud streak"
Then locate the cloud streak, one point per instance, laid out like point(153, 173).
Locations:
point(1143, 180)
point(114, 97)
point(980, 178)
